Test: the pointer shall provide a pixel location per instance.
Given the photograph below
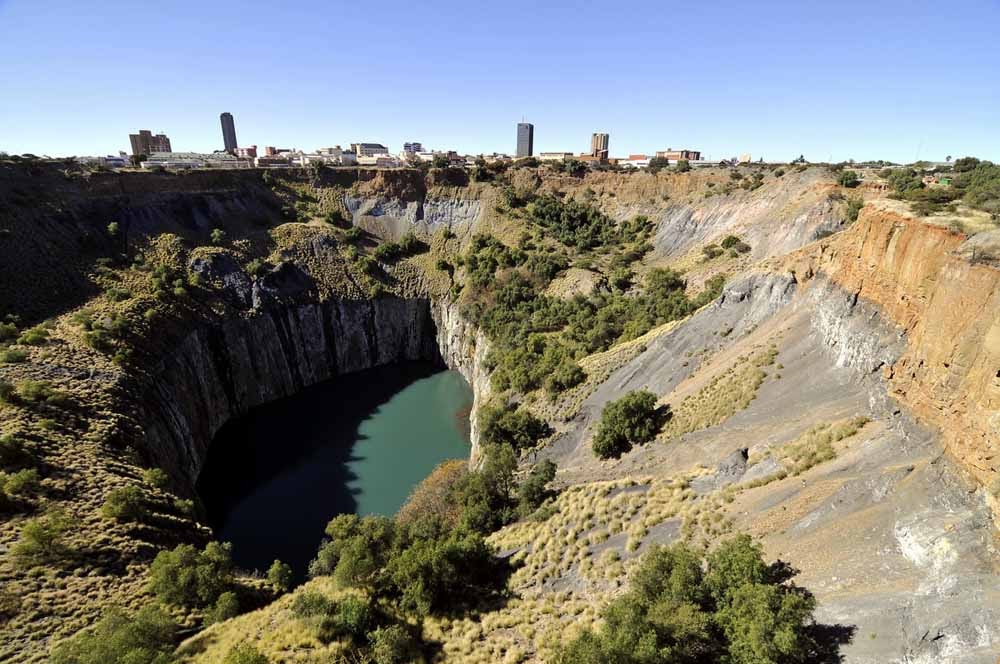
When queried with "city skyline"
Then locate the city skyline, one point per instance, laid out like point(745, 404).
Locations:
point(775, 79)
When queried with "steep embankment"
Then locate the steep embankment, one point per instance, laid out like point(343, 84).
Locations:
point(947, 307)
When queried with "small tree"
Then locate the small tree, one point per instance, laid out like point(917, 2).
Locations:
point(226, 607)
point(657, 164)
point(280, 576)
point(191, 578)
point(532, 492)
point(42, 538)
point(511, 425)
point(683, 166)
point(848, 179)
point(126, 503)
point(218, 236)
point(119, 638)
point(391, 645)
point(629, 421)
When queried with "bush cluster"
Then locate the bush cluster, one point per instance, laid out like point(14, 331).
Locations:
point(538, 339)
point(631, 420)
point(146, 637)
point(424, 567)
point(511, 425)
point(191, 578)
point(684, 606)
point(126, 503)
point(389, 251)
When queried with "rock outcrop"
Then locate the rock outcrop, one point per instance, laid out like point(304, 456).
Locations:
point(946, 310)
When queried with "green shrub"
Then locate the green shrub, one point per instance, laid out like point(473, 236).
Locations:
point(848, 179)
point(116, 294)
point(35, 336)
point(631, 420)
point(511, 425)
point(657, 164)
point(356, 550)
point(7, 392)
point(126, 503)
point(13, 356)
point(443, 574)
point(310, 604)
point(244, 653)
point(854, 205)
point(680, 607)
point(573, 223)
point(391, 645)
point(351, 617)
point(218, 236)
point(19, 483)
point(389, 251)
point(280, 576)
point(184, 506)
point(532, 492)
point(191, 578)
point(156, 477)
point(120, 638)
point(226, 606)
point(38, 392)
point(711, 251)
point(568, 374)
point(8, 331)
point(43, 538)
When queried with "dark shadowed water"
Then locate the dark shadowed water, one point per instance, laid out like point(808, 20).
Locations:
point(356, 444)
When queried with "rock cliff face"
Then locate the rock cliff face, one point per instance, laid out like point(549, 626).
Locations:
point(948, 369)
point(220, 371)
point(396, 217)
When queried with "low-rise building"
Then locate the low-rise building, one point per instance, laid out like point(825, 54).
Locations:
point(677, 155)
point(554, 156)
point(247, 152)
point(183, 160)
point(108, 161)
point(369, 149)
point(272, 161)
point(410, 148)
point(379, 161)
point(632, 161)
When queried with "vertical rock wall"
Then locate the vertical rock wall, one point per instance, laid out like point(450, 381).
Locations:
point(219, 372)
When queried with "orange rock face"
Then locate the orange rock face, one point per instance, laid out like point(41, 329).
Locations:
point(949, 308)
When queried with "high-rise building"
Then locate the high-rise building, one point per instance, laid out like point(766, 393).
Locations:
point(599, 146)
point(228, 133)
point(146, 143)
point(525, 139)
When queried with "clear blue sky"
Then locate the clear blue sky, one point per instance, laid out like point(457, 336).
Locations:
point(863, 80)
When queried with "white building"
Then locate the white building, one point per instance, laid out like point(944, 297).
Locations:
point(554, 156)
point(380, 161)
point(109, 161)
point(182, 160)
point(368, 149)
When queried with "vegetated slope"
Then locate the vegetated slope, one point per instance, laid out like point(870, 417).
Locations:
point(783, 425)
point(790, 434)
